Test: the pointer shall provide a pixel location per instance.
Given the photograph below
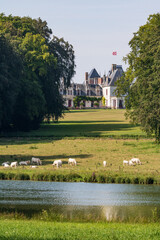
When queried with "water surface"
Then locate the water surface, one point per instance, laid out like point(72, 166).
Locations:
point(109, 201)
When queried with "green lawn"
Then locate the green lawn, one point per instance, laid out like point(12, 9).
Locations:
point(89, 152)
point(87, 123)
point(38, 230)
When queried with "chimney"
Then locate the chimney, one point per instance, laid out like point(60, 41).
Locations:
point(86, 77)
point(114, 66)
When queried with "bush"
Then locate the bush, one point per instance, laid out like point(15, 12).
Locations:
point(39, 177)
point(60, 178)
point(11, 176)
point(101, 179)
point(110, 179)
point(135, 180)
point(149, 180)
point(3, 176)
point(52, 178)
point(118, 180)
point(22, 176)
point(73, 177)
point(127, 180)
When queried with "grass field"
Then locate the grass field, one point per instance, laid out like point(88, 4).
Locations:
point(89, 151)
point(33, 230)
point(87, 123)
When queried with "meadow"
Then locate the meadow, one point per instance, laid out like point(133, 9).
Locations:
point(86, 123)
point(90, 136)
point(33, 230)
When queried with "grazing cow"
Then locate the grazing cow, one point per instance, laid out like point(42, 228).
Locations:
point(131, 163)
point(57, 163)
point(14, 164)
point(34, 166)
point(104, 163)
point(5, 165)
point(23, 163)
point(72, 161)
point(36, 161)
point(136, 161)
point(125, 162)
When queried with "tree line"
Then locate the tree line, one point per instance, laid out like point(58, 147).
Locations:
point(33, 62)
point(141, 82)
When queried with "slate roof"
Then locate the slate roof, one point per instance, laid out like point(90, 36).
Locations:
point(113, 76)
point(93, 74)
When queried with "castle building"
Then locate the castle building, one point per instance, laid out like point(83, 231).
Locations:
point(95, 86)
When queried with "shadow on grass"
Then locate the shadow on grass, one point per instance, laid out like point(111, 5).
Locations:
point(82, 122)
point(75, 130)
point(54, 132)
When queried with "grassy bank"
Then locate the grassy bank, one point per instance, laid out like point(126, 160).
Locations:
point(89, 154)
point(33, 230)
point(84, 135)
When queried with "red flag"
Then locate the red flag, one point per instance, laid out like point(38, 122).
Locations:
point(114, 53)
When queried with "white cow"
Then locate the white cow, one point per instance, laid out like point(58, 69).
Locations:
point(104, 163)
point(136, 161)
point(24, 163)
point(36, 161)
point(5, 165)
point(125, 162)
point(72, 161)
point(57, 163)
point(14, 164)
point(131, 163)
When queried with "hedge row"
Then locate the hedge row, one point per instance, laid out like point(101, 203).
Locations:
point(74, 177)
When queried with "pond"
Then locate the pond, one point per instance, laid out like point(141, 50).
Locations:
point(80, 201)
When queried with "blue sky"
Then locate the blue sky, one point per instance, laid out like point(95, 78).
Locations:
point(95, 28)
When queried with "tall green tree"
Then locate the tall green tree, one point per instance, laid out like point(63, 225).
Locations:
point(10, 75)
point(45, 63)
point(141, 82)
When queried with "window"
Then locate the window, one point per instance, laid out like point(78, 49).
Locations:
point(106, 91)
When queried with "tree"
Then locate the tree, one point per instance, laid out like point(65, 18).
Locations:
point(141, 82)
point(63, 71)
point(10, 75)
point(45, 63)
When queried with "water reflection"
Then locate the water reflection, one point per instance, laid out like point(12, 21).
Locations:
point(83, 201)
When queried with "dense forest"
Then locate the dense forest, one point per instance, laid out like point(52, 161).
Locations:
point(33, 62)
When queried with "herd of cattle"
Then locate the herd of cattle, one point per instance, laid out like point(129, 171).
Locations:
point(131, 162)
point(36, 162)
point(58, 163)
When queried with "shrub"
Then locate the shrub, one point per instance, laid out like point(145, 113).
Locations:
point(11, 176)
point(149, 180)
point(118, 180)
point(110, 179)
point(52, 177)
point(3, 176)
point(73, 177)
point(39, 177)
point(127, 180)
point(22, 176)
point(101, 179)
point(60, 178)
point(135, 180)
